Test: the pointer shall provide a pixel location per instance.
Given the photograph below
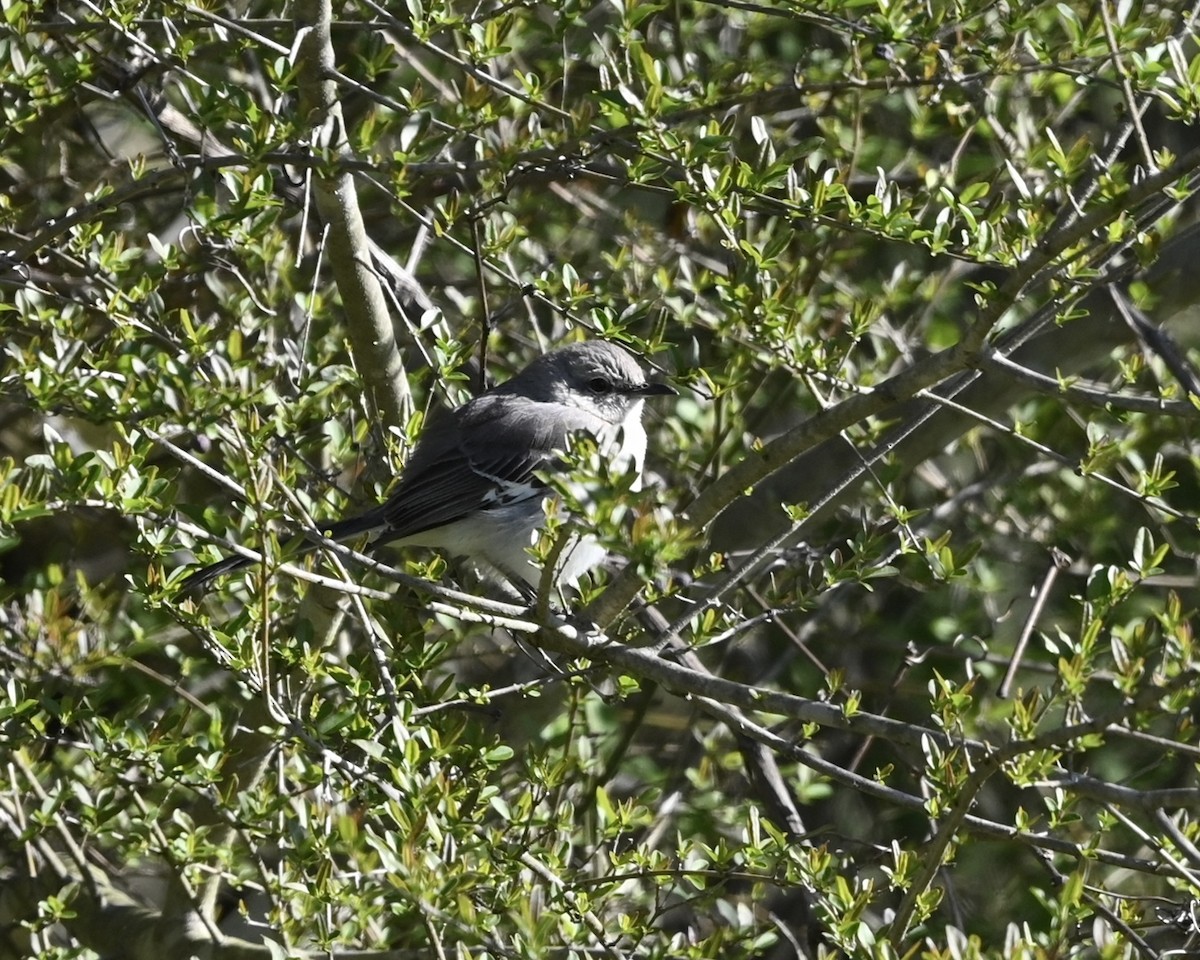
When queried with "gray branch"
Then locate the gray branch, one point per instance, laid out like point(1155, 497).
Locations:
point(372, 337)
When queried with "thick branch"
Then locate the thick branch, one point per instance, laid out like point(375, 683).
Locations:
point(372, 337)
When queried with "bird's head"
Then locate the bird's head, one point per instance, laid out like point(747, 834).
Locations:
point(596, 376)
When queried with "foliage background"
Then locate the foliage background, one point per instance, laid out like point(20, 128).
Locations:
point(913, 670)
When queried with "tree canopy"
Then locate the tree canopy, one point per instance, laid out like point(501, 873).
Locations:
point(894, 656)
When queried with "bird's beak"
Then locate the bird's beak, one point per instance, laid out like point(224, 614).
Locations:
point(656, 390)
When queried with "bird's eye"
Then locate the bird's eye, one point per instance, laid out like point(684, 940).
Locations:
point(599, 385)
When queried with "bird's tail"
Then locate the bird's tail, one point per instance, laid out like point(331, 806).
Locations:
point(199, 581)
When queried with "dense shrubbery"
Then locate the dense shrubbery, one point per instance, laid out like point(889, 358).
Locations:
point(896, 656)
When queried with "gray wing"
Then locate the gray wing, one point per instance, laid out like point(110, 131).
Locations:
point(484, 455)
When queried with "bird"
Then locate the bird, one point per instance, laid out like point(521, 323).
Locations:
point(471, 486)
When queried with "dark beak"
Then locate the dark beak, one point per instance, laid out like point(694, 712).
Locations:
point(655, 390)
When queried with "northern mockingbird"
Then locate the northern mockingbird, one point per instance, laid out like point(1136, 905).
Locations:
point(470, 487)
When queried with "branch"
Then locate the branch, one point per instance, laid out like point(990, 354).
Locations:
point(372, 337)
